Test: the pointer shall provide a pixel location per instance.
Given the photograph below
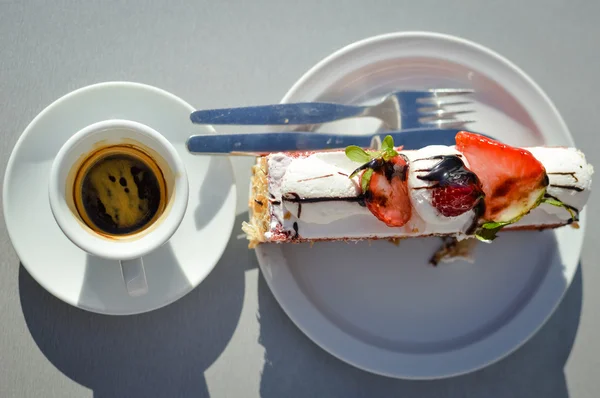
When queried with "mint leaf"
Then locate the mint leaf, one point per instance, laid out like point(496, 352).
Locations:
point(387, 148)
point(552, 201)
point(495, 225)
point(366, 178)
point(486, 235)
point(388, 154)
point(487, 232)
point(388, 143)
point(357, 154)
point(555, 202)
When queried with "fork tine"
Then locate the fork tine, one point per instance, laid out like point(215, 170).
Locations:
point(441, 105)
point(442, 114)
point(427, 100)
point(448, 123)
point(442, 92)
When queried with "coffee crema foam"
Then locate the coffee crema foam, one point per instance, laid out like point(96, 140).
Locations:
point(119, 190)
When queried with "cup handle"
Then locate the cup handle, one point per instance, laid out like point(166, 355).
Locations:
point(134, 276)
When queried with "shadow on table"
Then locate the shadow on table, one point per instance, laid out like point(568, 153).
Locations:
point(296, 367)
point(163, 353)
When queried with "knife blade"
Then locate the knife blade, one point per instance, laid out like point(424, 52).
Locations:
point(256, 144)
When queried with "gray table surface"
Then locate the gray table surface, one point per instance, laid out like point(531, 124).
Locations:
point(229, 337)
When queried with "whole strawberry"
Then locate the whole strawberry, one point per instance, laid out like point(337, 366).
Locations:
point(387, 193)
point(455, 199)
point(457, 189)
point(384, 183)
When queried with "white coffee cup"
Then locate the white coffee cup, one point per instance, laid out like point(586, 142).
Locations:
point(128, 249)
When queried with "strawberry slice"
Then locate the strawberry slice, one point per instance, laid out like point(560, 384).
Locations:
point(386, 195)
point(513, 180)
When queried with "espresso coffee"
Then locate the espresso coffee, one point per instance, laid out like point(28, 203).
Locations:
point(119, 190)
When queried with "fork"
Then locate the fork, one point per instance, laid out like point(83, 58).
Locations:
point(401, 109)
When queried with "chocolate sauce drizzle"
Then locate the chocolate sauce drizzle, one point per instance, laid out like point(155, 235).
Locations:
point(293, 197)
point(296, 198)
point(390, 170)
point(571, 187)
point(450, 170)
point(458, 155)
point(315, 178)
point(566, 173)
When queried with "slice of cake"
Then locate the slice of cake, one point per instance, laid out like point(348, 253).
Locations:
point(471, 190)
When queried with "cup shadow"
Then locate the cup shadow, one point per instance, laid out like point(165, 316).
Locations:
point(297, 367)
point(103, 286)
point(162, 353)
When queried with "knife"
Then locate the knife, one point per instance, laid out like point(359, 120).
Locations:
point(278, 114)
point(256, 144)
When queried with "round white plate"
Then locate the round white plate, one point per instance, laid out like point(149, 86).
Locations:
point(92, 283)
point(382, 308)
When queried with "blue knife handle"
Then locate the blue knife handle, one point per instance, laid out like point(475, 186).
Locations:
point(280, 114)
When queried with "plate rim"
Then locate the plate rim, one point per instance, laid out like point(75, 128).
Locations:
point(310, 73)
point(11, 164)
point(260, 253)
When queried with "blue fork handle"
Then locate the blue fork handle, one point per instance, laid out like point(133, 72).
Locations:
point(279, 114)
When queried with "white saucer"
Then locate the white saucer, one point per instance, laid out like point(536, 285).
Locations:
point(95, 284)
point(382, 308)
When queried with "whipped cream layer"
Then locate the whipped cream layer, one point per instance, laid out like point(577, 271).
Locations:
point(312, 197)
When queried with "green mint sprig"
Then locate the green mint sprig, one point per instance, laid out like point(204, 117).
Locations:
point(359, 155)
